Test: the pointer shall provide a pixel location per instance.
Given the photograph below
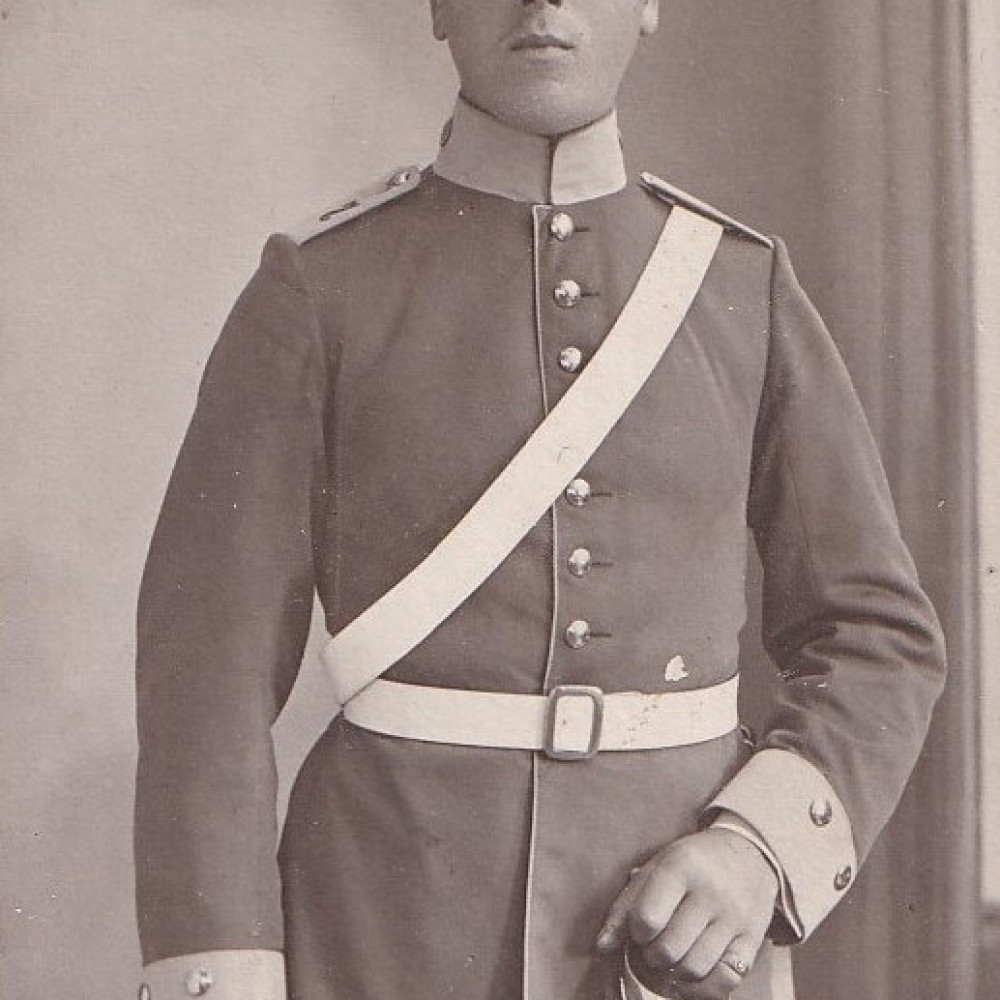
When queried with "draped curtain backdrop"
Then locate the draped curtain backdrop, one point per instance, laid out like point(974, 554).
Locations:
point(843, 127)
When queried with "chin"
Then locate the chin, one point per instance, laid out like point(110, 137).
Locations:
point(550, 111)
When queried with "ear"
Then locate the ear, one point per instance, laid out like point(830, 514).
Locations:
point(438, 19)
point(650, 16)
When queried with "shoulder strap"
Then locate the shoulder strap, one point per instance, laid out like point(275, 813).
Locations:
point(385, 190)
point(675, 196)
point(557, 450)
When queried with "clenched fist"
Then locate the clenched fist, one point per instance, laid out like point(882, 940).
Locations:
point(695, 915)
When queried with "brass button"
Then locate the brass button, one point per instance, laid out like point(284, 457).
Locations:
point(198, 982)
point(570, 359)
point(577, 634)
point(843, 878)
point(821, 812)
point(561, 226)
point(567, 293)
point(400, 177)
point(578, 492)
point(580, 561)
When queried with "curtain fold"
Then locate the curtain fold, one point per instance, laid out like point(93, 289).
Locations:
point(843, 126)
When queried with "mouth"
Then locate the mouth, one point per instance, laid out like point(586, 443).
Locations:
point(539, 40)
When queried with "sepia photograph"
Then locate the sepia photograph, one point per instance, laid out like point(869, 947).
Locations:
point(500, 500)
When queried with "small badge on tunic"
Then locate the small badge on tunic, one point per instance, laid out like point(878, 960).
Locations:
point(676, 670)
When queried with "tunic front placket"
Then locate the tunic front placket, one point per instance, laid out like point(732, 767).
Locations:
point(568, 331)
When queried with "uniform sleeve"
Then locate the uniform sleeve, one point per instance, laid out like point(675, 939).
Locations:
point(856, 641)
point(224, 612)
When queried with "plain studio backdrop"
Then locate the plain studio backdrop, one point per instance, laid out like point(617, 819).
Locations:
point(147, 150)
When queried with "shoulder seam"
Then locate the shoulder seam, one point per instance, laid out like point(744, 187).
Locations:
point(675, 196)
point(389, 188)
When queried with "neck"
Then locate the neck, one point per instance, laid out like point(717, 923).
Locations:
point(483, 153)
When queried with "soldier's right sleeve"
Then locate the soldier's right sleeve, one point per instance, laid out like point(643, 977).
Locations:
point(223, 616)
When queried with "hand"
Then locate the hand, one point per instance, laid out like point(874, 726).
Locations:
point(702, 898)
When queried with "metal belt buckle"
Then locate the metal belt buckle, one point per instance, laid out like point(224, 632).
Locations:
point(592, 694)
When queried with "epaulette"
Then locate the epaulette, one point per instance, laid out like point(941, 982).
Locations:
point(380, 193)
point(675, 196)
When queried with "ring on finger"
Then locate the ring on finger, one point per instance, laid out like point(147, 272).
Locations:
point(735, 964)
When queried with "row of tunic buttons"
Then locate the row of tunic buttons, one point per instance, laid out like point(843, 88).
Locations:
point(578, 493)
point(579, 562)
point(567, 294)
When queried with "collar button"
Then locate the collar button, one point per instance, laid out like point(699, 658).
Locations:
point(561, 226)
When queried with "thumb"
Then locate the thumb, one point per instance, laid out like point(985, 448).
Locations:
point(612, 932)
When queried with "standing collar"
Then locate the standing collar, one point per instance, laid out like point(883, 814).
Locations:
point(481, 152)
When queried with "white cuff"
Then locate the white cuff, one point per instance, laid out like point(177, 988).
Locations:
point(217, 975)
point(799, 817)
point(785, 904)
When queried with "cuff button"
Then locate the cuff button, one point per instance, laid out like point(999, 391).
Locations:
point(843, 878)
point(400, 177)
point(821, 812)
point(198, 982)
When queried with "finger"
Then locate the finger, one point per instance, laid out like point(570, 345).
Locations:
point(734, 965)
point(684, 927)
point(657, 983)
point(719, 984)
point(613, 931)
point(705, 954)
point(659, 897)
point(741, 953)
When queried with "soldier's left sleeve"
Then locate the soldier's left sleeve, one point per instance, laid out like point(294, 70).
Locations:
point(855, 639)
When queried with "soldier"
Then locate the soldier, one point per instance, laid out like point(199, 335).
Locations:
point(510, 417)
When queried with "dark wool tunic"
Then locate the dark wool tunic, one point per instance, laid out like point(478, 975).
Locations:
point(367, 388)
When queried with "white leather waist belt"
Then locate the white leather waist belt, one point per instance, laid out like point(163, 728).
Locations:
point(572, 722)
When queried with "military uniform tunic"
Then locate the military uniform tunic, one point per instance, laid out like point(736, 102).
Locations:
point(369, 385)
